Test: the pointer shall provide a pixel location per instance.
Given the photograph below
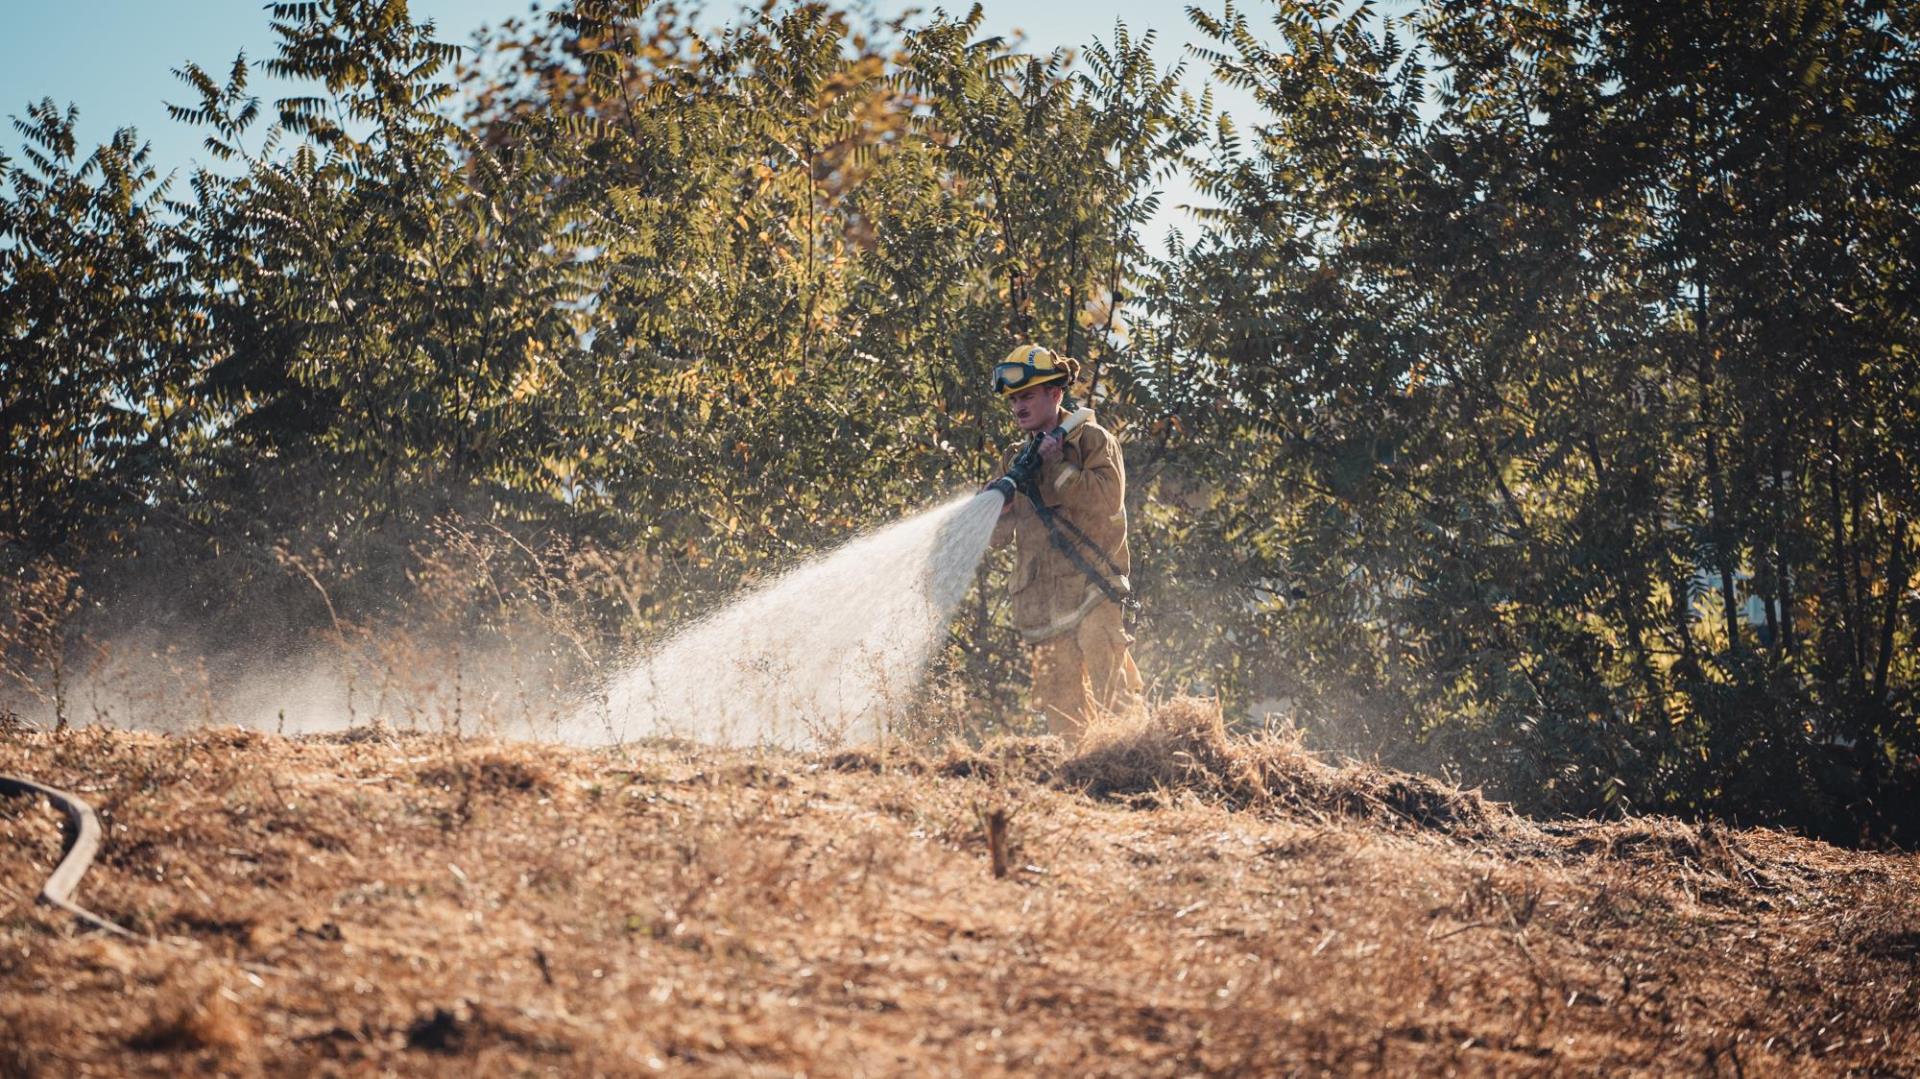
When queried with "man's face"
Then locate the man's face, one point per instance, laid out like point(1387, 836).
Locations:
point(1036, 408)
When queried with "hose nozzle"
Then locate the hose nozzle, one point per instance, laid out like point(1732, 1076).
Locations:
point(1026, 464)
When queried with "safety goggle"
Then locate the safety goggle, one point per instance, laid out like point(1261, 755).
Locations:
point(1008, 377)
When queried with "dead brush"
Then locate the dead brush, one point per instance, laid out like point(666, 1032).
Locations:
point(489, 771)
point(31, 1037)
point(1708, 852)
point(1179, 745)
point(195, 1012)
point(706, 914)
point(892, 756)
point(1011, 757)
point(994, 823)
point(40, 601)
point(468, 1027)
point(1182, 745)
point(996, 812)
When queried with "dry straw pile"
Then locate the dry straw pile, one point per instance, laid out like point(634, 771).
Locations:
point(1171, 901)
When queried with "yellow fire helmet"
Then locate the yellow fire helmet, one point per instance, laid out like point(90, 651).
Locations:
point(1031, 365)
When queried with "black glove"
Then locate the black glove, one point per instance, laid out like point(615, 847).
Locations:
point(1026, 466)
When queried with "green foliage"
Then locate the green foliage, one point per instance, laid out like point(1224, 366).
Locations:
point(101, 333)
point(1534, 341)
point(1515, 349)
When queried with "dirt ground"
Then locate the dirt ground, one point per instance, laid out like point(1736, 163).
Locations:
point(1172, 904)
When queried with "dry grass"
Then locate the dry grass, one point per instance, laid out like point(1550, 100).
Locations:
point(1174, 903)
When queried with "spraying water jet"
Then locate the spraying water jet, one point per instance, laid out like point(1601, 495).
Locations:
point(818, 656)
point(821, 655)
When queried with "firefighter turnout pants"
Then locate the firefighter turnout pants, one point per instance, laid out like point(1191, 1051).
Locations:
point(1084, 673)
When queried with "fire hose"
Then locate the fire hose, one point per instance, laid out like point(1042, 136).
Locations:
point(82, 843)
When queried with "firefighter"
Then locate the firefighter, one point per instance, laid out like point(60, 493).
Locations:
point(1068, 524)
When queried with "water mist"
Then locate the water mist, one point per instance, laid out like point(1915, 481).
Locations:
point(833, 650)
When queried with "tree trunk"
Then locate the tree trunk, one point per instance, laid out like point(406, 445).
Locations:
point(1897, 571)
point(1626, 606)
point(1773, 620)
point(1783, 586)
point(1848, 613)
point(1860, 561)
point(1073, 293)
point(1716, 482)
point(1722, 541)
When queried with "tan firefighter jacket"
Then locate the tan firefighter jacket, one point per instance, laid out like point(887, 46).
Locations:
point(1087, 487)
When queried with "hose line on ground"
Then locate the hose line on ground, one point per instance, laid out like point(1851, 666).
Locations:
point(82, 843)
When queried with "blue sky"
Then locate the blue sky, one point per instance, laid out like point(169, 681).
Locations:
point(113, 58)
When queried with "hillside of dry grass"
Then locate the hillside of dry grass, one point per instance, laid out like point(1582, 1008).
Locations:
point(1172, 903)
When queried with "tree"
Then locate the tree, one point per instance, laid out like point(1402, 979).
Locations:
point(1527, 368)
